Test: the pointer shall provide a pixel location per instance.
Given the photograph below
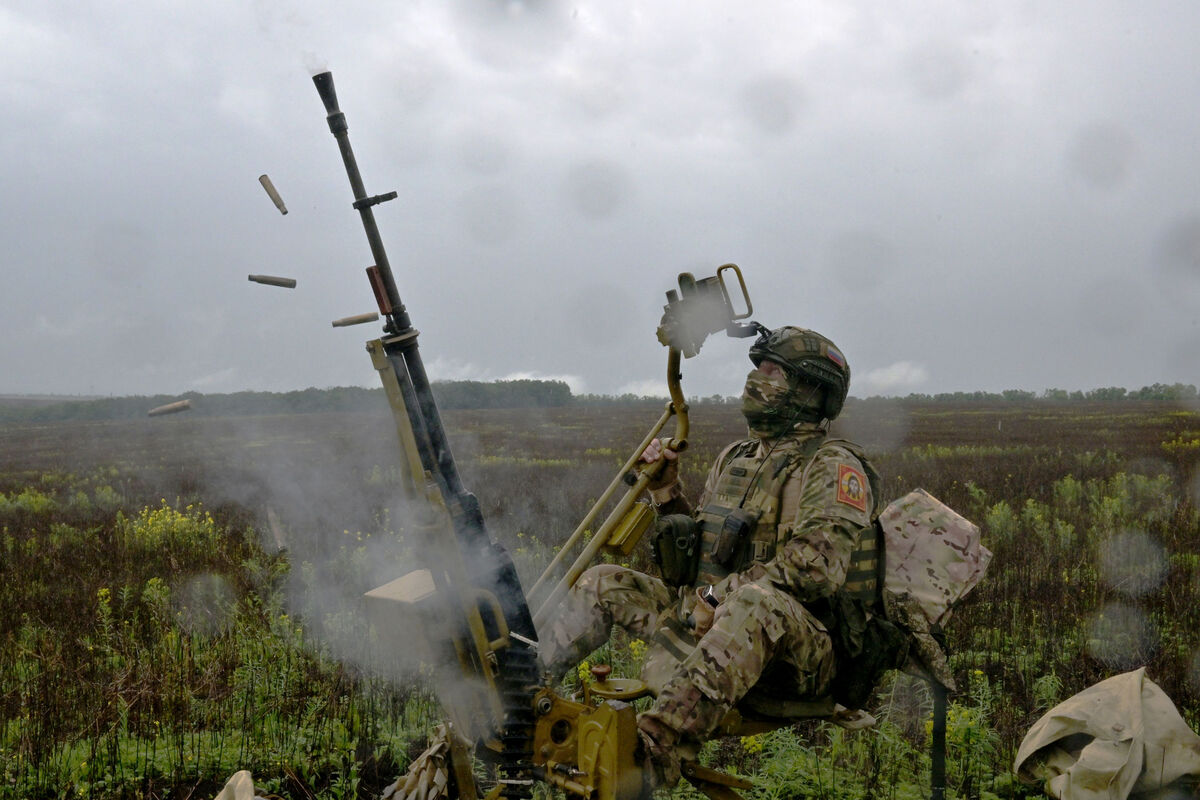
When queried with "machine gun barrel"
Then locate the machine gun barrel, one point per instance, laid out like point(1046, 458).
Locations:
point(362, 202)
point(403, 351)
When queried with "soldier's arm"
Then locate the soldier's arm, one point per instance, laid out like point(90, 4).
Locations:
point(673, 499)
point(835, 503)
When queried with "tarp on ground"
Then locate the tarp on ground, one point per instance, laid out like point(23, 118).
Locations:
point(1121, 738)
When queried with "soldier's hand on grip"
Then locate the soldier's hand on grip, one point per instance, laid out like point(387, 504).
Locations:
point(670, 471)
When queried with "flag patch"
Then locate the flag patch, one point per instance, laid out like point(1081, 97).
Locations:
point(852, 487)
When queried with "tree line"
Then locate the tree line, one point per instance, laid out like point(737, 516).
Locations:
point(1174, 392)
point(499, 394)
point(449, 395)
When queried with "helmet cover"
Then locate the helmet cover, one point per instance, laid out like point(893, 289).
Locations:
point(809, 357)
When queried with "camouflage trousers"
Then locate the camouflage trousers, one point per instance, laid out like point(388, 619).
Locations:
point(763, 640)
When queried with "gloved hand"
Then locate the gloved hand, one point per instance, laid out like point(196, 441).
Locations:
point(670, 471)
point(704, 613)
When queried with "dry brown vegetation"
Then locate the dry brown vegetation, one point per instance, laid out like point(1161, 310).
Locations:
point(105, 673)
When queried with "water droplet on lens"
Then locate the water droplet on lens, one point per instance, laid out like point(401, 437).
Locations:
point(205, 604)
point(1121, 637)
point(1133, 563)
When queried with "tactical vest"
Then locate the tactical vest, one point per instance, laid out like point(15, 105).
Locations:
point(748, 495)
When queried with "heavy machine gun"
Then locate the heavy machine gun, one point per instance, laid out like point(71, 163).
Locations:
point(464, 612)
point(469, 588)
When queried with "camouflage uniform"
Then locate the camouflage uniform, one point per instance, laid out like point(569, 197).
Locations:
point(777, 537)
point(765, 645)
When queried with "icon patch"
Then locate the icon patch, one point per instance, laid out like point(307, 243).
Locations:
point(852, 487)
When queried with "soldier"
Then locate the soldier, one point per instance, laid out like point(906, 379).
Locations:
point(748, 607)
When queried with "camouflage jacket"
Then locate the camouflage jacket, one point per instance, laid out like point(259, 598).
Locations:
point(822, 505)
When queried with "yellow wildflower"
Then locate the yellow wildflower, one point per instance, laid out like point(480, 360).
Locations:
point(753, 744)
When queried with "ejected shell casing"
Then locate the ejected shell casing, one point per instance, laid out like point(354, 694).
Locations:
point(357, 319)
point(272, 280)
point(170, 408)
point(271, 193)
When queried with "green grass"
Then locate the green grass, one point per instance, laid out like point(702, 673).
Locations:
point(155, 639)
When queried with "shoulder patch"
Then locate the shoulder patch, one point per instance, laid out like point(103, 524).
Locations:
point(852, 487)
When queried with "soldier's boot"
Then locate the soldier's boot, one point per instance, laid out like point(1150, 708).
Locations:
point(659, 756)
point(673, 729)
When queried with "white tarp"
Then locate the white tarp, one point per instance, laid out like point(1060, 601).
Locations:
point(239, 787)
point(1122, 737)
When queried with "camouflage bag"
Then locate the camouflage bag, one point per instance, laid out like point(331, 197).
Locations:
point(865, 644)
point(932, 558)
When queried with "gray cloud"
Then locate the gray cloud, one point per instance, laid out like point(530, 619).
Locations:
point(596, 187)
point(1179, 249)
point(938, 70)
point(773, 103)
point(1102, 155)
point(1005, 197)
point(490, 214)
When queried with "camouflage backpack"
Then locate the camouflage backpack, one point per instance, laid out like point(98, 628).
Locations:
point(932, 558)
point(922, 558)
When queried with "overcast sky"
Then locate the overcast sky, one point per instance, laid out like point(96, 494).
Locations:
point(962, 195)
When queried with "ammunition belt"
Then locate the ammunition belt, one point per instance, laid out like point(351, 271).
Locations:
point(516, 676)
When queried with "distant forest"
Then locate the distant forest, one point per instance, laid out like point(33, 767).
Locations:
point(497, 394)
point(449, 395)
point(1177, 392)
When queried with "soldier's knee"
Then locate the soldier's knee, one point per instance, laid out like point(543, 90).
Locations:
point(594, 577)
point(606, 570)
point(594, 574)
point(751, 597)
point(761, 610)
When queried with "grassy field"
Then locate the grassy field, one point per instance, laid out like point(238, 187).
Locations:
point(180, 596)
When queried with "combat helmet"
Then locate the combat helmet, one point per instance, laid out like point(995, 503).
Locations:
point(808, 356)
